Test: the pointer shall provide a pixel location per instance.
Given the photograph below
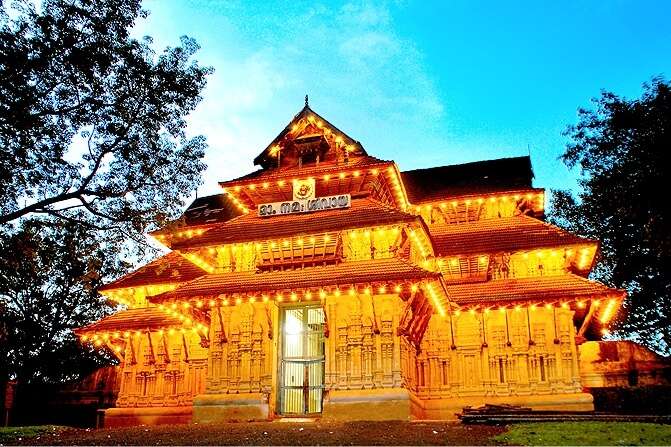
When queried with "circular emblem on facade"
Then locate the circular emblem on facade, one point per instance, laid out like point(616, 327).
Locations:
point(304, 191)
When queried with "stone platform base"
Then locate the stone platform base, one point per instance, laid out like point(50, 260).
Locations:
point(368, 405)
point(125, 417)
point(447, 409)
point(230, 407)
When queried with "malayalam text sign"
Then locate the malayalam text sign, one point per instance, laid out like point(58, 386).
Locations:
point(305, 206)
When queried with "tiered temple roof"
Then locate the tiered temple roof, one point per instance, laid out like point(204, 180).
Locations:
point(169, 269)
point(508, 234)
point(369, 272)
point(477, 214)
point(481, 177)
point(131, 319)
point(249, 227)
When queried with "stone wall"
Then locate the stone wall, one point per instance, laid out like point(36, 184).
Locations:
point(622, 364)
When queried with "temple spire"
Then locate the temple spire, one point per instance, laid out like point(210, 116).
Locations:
point(306, 101)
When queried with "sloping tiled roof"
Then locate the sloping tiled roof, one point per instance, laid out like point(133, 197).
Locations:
point(212, 209)
point(488, 176)
point(500, 235)
point(132, 319)
point(250, 227)
point(170, 268)
point(286, 173)
point(356, 272)
point(544, 288)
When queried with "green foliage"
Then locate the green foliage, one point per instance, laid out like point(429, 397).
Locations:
point(586, 433)
point(14, 435)
point(622, 149)
point(49, 279)
point(92, 121)
point(93, 154)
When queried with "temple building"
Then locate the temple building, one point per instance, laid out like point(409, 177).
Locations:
point(332, 284)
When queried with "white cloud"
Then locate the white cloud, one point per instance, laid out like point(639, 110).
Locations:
point(360, 74)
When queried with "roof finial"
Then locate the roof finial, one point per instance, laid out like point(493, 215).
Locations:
point(306, 100)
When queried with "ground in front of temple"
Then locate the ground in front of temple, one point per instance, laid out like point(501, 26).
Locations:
point(350, 433)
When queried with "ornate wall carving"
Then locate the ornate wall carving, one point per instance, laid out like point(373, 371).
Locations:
point(497, 353)
point(162, 369)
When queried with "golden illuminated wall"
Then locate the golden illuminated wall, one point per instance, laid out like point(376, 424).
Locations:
point(162, 369)
point(361, 350)
point(241, 348)
point(470, 209)
point(371, 244)
point(525, 264)
point(514, 352)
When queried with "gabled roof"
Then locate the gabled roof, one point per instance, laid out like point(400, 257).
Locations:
point(481, 177)
point(171, 268)
point(312, 170)
point(265, 161)
point(346, 273)
point(497, 235)
point(132, 319)
point(250, 227)
point(544, 288)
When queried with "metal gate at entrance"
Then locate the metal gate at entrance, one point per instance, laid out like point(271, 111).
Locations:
point(302, 361)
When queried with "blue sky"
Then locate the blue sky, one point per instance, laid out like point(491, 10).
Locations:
point(421, 83)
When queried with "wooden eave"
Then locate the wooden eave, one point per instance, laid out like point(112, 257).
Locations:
point(369, 272)
point(275, 185)
point(551, 288)
point(169, 269)
point(497, 235)
point(131, 320)
point(447, 198)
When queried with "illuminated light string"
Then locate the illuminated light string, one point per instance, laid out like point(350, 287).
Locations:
point(353, 172)
point(398, 190)
point(303, 295)
point(368, 289)
point(419, 243)
point(605, 317)
point(98, 338)
point(478, 201)
point(171, 310)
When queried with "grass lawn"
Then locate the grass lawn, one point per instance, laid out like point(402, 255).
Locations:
point(348, 433)
point(586, 433)
point(11, 435)
point(274, 433)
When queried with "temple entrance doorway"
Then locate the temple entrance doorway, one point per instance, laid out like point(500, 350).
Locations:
point(301, 386)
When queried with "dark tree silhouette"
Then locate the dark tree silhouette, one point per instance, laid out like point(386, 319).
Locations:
point(49, 279)
point(622, 147)
point(92, 121)
point(93, 154)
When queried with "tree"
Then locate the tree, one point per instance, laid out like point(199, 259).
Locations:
point(622, 148)
point(48, 286)
point(93, 154)
point(92, 121)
